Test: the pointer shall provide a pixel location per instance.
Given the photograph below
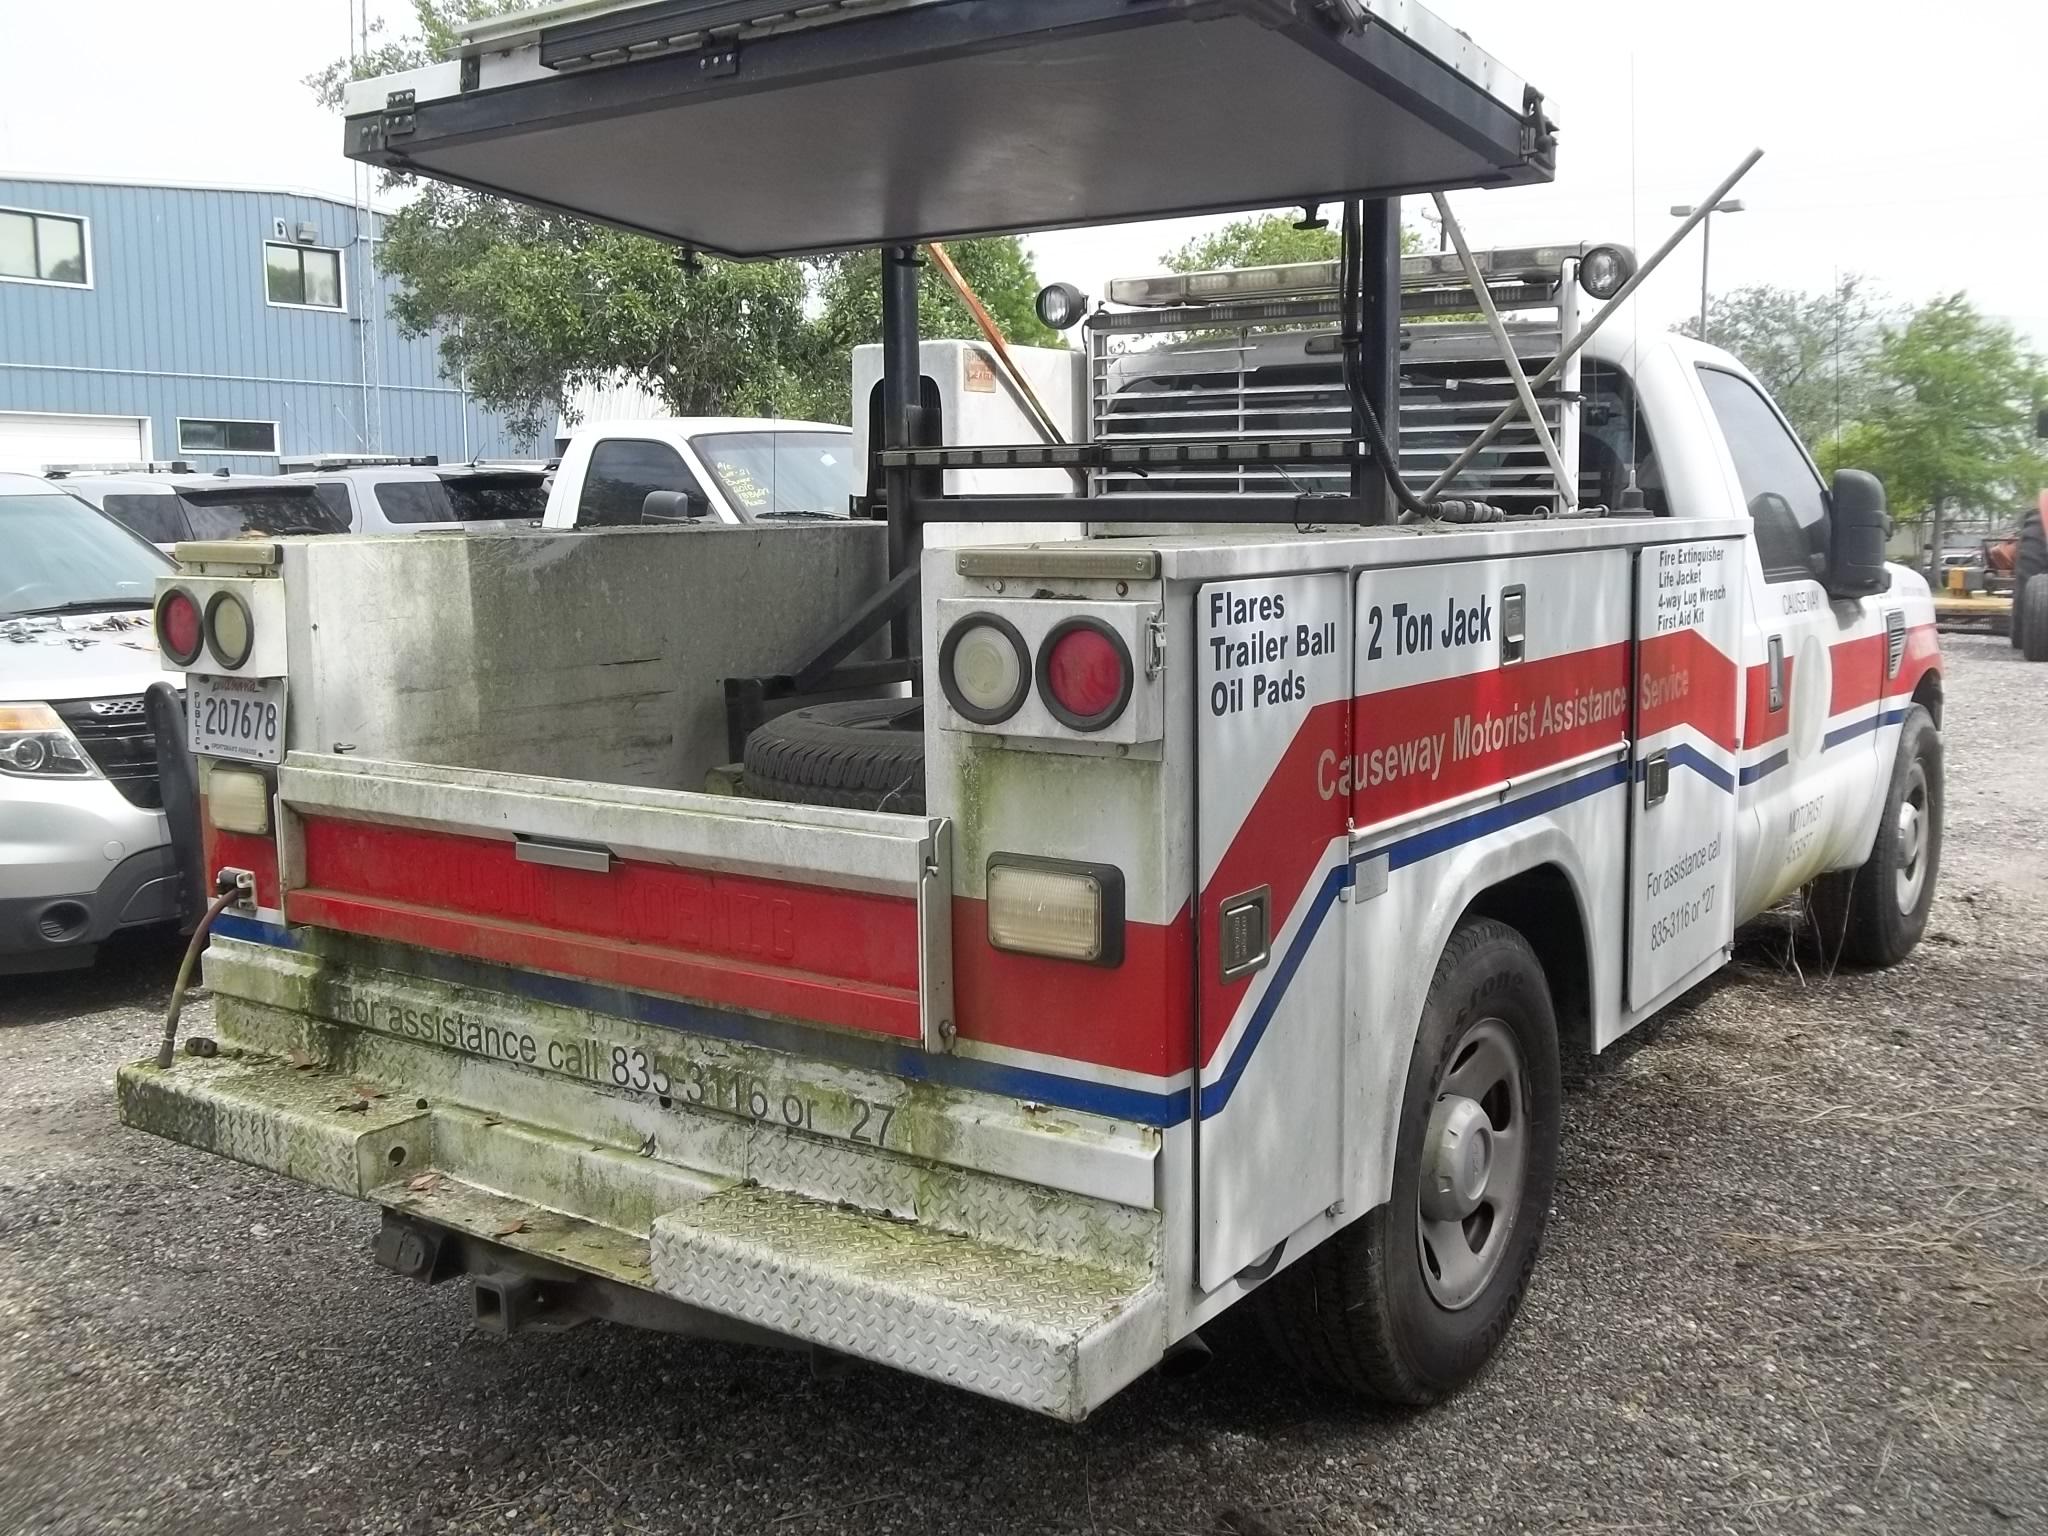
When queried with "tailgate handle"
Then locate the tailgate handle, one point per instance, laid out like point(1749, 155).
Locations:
point(593, 858)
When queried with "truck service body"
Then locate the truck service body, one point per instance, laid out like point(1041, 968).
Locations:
point(1260, 862)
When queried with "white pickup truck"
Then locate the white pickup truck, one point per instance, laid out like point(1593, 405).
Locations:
point(1210, 926)
point(736, 472)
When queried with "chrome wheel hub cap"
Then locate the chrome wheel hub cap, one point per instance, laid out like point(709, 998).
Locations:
point(1473, 1165)
point(1911, 830)
point(1456, 1162)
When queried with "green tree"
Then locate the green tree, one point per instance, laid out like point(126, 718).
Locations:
point(849, 290)
point(1814, 352)
point(1264, 240)
point(530, 305)
point(1952, 415)
point(1950, 421)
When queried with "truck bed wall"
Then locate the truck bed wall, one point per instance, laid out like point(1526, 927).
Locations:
point(593, 656)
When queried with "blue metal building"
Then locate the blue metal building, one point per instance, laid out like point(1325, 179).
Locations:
point(226, 326)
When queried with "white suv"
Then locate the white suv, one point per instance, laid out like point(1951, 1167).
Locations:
point(84, 848)
point(167, 505)
point(425, 495)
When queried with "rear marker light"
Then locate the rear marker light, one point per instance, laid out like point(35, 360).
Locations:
point(178, 628)
point(1084, 674)
point(230, 632)
point(984, 669)
point(238, 800)
point(1061, 910)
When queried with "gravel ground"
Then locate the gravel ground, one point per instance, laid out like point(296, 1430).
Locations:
point(1797, 1281)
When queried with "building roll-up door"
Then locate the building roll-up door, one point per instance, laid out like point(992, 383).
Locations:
point(29, 440)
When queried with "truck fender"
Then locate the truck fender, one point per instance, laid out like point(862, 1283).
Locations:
point(1386, 985)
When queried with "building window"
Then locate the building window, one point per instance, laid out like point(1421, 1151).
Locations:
point(226, 436)
point(43, 248)
point(302, 276)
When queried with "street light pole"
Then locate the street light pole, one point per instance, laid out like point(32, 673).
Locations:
point(1685, 211)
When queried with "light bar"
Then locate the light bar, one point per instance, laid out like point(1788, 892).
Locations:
point(1311, 279)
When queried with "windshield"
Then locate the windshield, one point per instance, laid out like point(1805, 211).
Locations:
point(58, 552)
point(259, 511)
point(470, 498)
point(782, 474)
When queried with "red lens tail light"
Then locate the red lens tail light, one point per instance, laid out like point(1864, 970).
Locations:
point(1084, 674)
point(178, 629)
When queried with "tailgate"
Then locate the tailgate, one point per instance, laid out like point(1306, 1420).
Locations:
point(825, 916)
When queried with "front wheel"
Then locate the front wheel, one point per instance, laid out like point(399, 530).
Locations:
point(1409, 1301)
point(1875, 915)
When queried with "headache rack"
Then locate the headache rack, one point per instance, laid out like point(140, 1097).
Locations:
point(1261, 362)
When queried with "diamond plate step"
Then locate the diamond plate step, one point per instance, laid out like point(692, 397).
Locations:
point(1049, 1334)
point(312, 1125)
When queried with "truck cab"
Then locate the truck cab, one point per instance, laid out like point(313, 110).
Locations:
point(735, 472)
point(1311, 762)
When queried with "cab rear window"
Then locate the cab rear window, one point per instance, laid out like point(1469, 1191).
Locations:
point(464, 499)
point(259, 512)
point(159, 519)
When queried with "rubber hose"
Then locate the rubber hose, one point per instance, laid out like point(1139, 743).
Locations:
point(167, 1051)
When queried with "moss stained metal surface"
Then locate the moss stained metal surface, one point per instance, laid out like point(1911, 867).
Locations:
point(316, 1126)
point(500, 1093)
point(1054, 1336)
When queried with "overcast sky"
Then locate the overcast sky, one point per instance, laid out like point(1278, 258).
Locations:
point(1906, 142)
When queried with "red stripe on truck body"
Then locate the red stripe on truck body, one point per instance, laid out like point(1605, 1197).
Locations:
point(836, 957)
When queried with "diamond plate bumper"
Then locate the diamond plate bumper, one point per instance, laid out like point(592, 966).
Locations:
point(1057, 1327)
point(1047, 1334)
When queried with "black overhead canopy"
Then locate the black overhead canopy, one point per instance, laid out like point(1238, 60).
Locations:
point(769, 128)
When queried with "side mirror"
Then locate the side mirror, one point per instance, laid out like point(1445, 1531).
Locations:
point(1858, 524)
point(674, 507)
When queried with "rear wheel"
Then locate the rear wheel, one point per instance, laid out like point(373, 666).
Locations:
point(1408, 1302)
point(2029, 561)
point(2030, 618)
point(1875, 915)
point(866, 754)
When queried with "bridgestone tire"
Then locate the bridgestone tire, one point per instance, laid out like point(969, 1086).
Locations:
point(2030, 618)
point(2030, 561)
point(1358, 1312)
point(864, 755)
point(1858, 915)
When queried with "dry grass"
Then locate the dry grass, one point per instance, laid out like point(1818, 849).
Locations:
point(1949, 1254)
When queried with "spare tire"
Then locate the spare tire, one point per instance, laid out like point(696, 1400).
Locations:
point(865, 755)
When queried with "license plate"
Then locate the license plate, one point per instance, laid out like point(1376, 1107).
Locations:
point(236, 716)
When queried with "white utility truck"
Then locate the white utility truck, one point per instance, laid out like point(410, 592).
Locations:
point(1208, 926)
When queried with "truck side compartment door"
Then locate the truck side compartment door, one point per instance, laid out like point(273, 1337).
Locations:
point(1492, 708)
point(1274, 706)
point(1806, 767)
point(1682, 812)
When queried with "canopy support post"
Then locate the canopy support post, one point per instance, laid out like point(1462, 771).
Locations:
point(902, 397)
point(1371, 280)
